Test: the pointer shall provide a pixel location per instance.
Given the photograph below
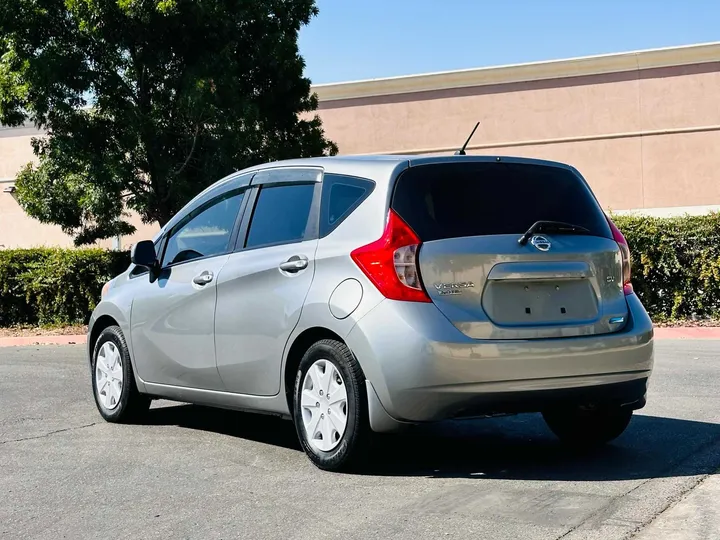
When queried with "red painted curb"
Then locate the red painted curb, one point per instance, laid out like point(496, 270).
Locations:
point(688, 332)
point(42, 340)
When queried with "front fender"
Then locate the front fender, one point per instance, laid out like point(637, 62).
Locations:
point(119, 313)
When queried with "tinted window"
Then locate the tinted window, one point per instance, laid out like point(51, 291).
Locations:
point(281, 215)
point(205, 232)
point(341, 195)
point(471, 199)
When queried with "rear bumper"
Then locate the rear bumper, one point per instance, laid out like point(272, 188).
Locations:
point(420, 368)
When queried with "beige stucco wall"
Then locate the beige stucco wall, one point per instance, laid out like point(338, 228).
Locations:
point(19, 230)
point(16, 228)
point(642, 127)
point(643, 139)
point(15, 151)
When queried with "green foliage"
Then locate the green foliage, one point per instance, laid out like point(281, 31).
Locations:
point(676, 273)
point(146, 102)
point(676, 264)
point(54, 286)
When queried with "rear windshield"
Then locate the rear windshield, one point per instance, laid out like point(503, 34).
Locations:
point(452, 200)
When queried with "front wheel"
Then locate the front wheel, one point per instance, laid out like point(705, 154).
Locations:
point(587, 428)
point(330, 406)
point(113, 382)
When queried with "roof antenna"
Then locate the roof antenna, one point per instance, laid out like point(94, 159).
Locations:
point(461, 152)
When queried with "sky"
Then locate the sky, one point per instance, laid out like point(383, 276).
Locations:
point(365, 39)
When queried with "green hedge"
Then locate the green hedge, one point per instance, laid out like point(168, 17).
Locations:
point(676, 273)
point(676, 264)
point(54, 286)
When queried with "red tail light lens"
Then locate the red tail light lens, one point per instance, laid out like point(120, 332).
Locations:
point(391, 262)
point(625, 253)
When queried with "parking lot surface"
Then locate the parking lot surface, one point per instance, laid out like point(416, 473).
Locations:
point(194, 472)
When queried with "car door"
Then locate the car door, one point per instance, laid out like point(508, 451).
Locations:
point(172, 316)
point(263, 285)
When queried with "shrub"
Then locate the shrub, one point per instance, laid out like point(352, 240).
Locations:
point(54, 286)
point(676, 273)
point(676, 264)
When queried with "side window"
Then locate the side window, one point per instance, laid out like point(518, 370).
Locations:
point(341, 195)
point(206, 231)
point(281, 215)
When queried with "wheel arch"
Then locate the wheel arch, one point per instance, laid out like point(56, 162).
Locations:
point(103, 322)
point(297, 350)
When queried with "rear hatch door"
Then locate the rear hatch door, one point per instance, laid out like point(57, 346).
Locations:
point(470, 216)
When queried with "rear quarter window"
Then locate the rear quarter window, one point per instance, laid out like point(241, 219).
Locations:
point(341, 195)
point(453, 200)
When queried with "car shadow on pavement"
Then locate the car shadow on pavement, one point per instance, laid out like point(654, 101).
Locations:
point(255, 427)
point(517, 447)
point(521, 447)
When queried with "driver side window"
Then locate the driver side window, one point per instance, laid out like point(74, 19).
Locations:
point(205, 232)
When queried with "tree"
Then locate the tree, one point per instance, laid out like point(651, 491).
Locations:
point(146, 102)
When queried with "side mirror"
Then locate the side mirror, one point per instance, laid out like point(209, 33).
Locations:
point(143, 254)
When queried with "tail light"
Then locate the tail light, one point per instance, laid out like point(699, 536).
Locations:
point(391, 262)
point(625, 253)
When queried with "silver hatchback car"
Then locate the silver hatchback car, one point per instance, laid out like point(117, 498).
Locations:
point(367, 294)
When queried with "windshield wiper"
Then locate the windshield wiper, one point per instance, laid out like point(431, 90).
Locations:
point(551, 226)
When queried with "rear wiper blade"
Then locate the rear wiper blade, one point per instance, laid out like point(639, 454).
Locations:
point(551, 226)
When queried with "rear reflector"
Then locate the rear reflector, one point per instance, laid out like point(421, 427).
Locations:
point(391, 262)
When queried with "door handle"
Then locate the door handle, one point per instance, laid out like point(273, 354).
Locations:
point(204, 278)
point(294, 264)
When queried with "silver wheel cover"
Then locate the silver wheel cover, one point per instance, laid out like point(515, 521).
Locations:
point(323, 404)
point(108, 375)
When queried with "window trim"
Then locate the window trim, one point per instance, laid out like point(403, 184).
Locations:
point(329, 180)
point(244, 226)
point(303, 174)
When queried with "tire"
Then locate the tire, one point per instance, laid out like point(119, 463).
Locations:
point(320, 438)
point(115, 373)
point(588, 428)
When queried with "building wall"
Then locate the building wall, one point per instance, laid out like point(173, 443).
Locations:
point(17, 229)
point(643, 127)
point(644, 139)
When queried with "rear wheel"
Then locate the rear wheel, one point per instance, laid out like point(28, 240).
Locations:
point(587, 428)
point(113, 382)
point(330, 406)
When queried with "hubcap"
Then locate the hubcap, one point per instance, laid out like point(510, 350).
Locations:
point(324, 405)
point(108, 375)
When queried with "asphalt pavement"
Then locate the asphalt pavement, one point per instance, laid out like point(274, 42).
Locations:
point(194, 472)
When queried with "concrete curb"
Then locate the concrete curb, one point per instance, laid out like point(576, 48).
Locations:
point(42, 340)
point(689, 332)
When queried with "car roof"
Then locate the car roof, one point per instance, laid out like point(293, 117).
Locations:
point(381, 167)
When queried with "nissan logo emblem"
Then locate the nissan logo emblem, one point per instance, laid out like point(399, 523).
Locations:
point(541, 243)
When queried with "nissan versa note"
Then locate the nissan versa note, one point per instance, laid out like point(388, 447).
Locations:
point(366, 294)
